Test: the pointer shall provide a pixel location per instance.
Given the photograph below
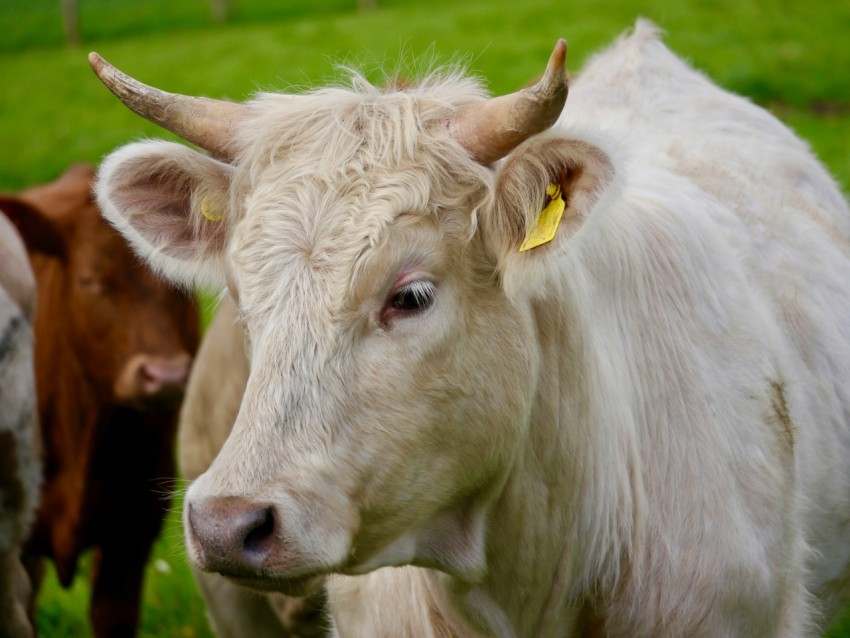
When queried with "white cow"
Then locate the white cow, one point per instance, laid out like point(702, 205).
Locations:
point(20, 468)
point(640, 428)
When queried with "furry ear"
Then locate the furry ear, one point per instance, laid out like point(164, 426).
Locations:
point(40, 233)
point(171, 204)
point(580, 170)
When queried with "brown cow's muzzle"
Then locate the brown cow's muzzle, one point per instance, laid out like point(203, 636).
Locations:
point(148, 380)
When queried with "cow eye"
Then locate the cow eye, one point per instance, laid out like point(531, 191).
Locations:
point(414, 297)
point(408, 300)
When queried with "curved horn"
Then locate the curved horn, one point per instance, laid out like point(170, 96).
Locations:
point(206, 123)
point(490, 129)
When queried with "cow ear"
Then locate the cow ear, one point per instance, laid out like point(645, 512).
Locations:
point(171, 203)
point(39, 232)
point(547, 176)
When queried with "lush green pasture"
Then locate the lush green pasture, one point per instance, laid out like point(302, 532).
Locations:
point(790, 56)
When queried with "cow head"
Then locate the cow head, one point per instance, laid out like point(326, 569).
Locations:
point(114, 316)
point(372, 246)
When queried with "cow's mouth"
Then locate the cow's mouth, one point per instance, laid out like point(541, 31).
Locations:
point(297, 587)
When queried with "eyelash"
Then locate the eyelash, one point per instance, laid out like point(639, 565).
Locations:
point(409, 300)
point(421, 293)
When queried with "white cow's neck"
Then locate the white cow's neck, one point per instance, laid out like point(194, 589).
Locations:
point(538, 572)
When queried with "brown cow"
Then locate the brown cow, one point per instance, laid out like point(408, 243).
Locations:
point(19, 467)
point(114, 346)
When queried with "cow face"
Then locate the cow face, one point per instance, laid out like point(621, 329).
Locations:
point(129, 330)
point(392, 372)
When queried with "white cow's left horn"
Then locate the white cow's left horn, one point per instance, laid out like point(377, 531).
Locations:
point(490, 129)
point(204, 122)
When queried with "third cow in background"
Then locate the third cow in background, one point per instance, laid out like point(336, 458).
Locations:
point(20, 471)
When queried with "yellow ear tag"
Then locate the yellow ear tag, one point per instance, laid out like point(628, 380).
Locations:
point(547, 222)
point(210, 210)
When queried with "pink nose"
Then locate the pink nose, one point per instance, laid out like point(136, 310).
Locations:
point(232, 537)
point(149, 378)
point(157, 375)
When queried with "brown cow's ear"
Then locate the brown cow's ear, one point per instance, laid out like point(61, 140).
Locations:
point(171, 203)
point(544, 193)
point(40, 234)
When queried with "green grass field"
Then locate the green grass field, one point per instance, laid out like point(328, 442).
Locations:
point(791, 57)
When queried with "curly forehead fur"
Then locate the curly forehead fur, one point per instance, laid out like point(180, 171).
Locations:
point(324, 173)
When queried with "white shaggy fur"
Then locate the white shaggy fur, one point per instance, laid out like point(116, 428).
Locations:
point(639, 429)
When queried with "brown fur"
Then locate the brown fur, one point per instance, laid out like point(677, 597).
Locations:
point(108, 446)
point(781, 412)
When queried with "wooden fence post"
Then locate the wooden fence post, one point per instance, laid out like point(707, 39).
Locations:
point(71, 22)
point(220, 10)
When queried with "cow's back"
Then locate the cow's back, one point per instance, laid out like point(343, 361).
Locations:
point(214, 392)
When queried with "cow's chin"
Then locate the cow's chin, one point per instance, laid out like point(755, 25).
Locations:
point(297, 587)
point(451, 541)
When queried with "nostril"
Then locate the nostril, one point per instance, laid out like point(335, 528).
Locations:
point(258, 539)
point(232, 536)
point(147, 373)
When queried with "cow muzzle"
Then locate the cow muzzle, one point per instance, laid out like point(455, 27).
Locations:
point(254, 545)
point(233, 537)
point(147, 379)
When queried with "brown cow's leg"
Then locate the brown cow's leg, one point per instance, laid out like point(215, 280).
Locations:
point(133, 455)
point(117, 576)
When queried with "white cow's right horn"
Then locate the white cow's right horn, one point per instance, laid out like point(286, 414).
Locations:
point(207, 123)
